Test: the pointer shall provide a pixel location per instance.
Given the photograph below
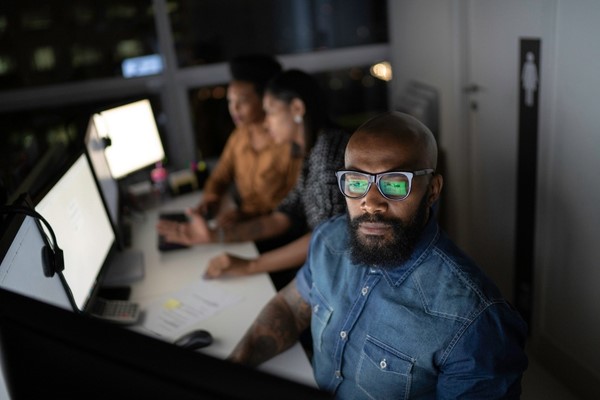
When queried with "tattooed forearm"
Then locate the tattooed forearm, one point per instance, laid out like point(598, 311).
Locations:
point(265, 347)
point(298, 307)
point(280, 324)
point(275, 329)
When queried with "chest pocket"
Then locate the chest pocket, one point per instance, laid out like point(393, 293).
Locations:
point(321, 313)
point(384, 372)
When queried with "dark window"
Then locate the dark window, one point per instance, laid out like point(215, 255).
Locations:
point(61, 41)
point(36, 144)
point(208, 31)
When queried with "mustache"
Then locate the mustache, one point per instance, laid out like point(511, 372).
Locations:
point(378, 218)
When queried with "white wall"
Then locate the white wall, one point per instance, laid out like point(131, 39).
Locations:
point(428, 43)
point(568, 229)
point(426, 46)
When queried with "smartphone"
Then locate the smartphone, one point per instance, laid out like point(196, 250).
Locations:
point(163, 245)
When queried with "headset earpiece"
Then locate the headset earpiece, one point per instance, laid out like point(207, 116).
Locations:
point(53, 261)
point(48, 261)
point(52, 255)
point(59, 260)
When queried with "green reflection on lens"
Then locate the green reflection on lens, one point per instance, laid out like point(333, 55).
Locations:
point(394, 188)
point(358, 186)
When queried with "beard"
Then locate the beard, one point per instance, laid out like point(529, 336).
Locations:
point(374, 250)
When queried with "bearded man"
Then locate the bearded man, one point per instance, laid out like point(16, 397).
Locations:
point(395, 309)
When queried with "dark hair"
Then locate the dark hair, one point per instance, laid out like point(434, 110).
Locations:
point(254, 68)
point(292, 84)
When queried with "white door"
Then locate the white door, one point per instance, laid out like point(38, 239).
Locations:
point(494, 29)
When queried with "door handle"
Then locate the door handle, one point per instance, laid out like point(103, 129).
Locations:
point(472, 88)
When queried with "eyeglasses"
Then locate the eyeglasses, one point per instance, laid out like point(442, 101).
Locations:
point(393, 185)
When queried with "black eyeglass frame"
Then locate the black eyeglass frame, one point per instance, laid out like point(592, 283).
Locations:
point(377, 178)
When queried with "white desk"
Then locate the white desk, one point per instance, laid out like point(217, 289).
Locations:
point(169, 272)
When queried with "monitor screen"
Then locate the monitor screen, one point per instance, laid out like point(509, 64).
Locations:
point(74, 209)
point(134, 139)
point(21, 263)
point(108, 185)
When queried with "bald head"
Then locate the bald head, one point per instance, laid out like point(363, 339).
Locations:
point(397, 154)
point(398, 129)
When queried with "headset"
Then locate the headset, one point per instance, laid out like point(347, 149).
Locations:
point(52, 256)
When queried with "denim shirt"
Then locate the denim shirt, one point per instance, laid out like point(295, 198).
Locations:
point(433, 327)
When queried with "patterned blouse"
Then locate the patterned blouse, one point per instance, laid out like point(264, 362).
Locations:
point(316, 196)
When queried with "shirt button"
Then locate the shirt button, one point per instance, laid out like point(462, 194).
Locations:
point(343, 335)
point(365, 290)
point(338, 374)
point(383, 364)
point(316, 309)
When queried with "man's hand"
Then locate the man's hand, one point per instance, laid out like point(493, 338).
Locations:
point(228, 265)
point(187, 233)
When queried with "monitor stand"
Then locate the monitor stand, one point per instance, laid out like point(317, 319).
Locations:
point(126, 267)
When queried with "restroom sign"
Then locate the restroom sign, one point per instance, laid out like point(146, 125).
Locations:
point(529, 78)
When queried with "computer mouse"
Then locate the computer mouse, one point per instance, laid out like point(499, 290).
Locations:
point(195, 339)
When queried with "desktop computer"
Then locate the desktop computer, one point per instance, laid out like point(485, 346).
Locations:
point(95, 146)
point(74, 208)
point(126, 264)
point(130, 135)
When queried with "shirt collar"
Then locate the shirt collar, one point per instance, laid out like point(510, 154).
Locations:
point(395, 276)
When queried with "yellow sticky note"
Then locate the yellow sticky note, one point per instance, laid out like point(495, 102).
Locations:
point(172, 304)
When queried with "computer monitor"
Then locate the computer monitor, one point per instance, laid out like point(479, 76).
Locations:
point(52, 353)
point(73, 207)
point(126, 265)
point(109, 187)
point(95, 147)
point(133, 136)
point(22, 263)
